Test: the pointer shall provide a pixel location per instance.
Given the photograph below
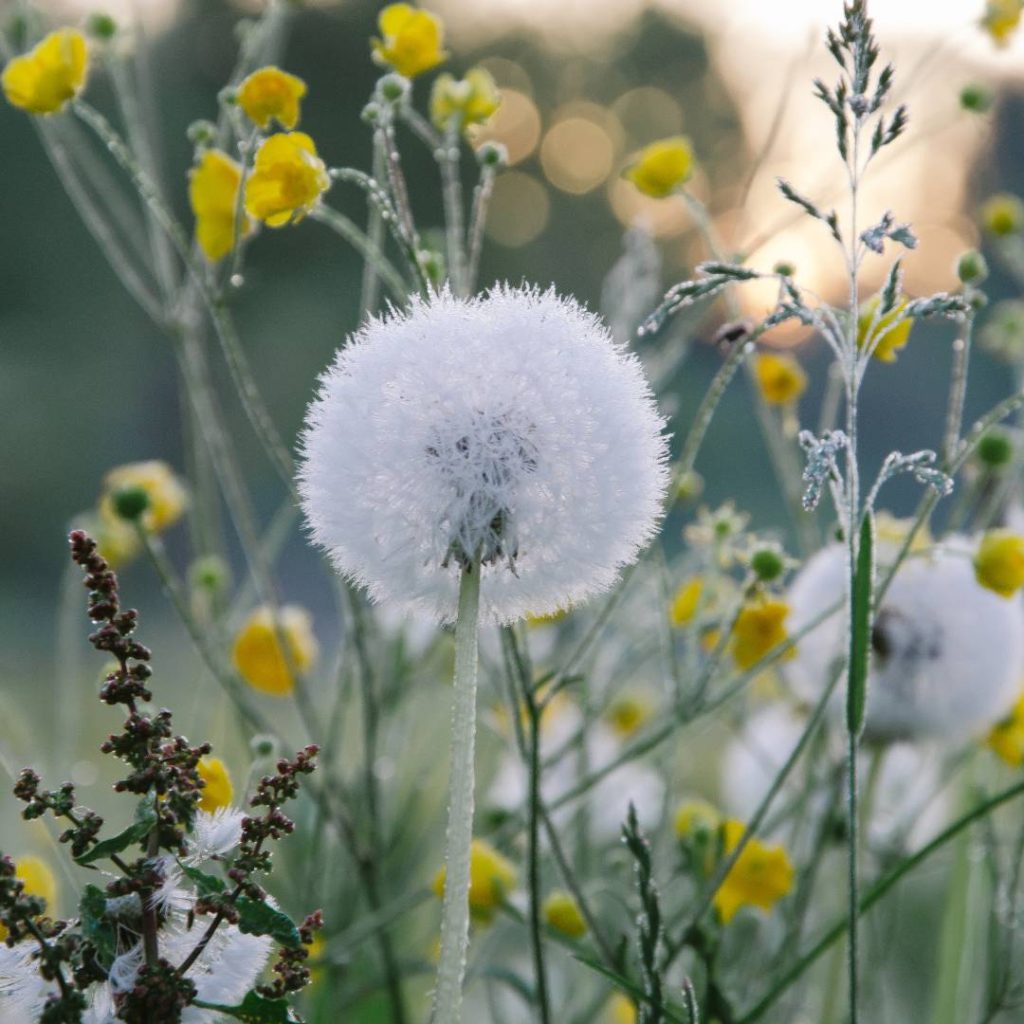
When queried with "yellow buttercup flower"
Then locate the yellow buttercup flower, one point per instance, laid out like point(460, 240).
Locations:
point(1001, 19)
point(696, 816)
point(628, 712)
point(686, 601)
point(38, 880)
point(473, 100)
point(271, 94)
point(51, 73)
point(166, 494)
point(287, 179)
point(116, 540)
point(491, 877)
point(257, 653)
point(1007, 736)
point(1002, 214)
point(213, 193)
point(999, 562)
point(660, 168)
point(218, 790)
point(760, 878)
point(412, 41)
point(563, 914)
point(760, 627)
point(887, 336)
point(620, 1009)
point(780, 378)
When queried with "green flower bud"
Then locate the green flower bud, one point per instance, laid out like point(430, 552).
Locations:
point(995, 449)
point(971, 267)
point(101, 26)
point(492, 154)
point(768, 564)
point(976, 97)
point(263, 746)
point(784, 268)
point(393, 89)
point(691, 486)
point(130, 502)
point(209, 573)
point(201, 133)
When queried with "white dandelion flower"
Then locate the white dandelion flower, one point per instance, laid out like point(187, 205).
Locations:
point(946, 653)
point(509, 426)
point(23, 990)
point(214, 834)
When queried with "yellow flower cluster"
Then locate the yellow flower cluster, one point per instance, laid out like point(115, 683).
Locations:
point(218, 790)
point(1002, 19)
point(51, 73)
point(257, 652)
point(999, 562)
point(411, 42)
point(760, 628)
point(1007, 737)
point(887, 336)
point(780, 378)
point(760, 877)
point(38, 880)
point(491, 878)
point(662, 167)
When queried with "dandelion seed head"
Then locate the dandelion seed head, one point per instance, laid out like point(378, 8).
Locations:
point(509, 426)
point(946, 653)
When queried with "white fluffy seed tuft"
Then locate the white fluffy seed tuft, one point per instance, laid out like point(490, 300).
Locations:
point(509, 425)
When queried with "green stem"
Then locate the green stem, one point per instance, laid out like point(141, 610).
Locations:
point(455, 911)
point(874, 894)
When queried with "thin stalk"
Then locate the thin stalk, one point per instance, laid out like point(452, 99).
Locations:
point(375, 234)
point(873, 895)
point(448, 157)
point(451, 967)
point(478, 220)
point(957, 391)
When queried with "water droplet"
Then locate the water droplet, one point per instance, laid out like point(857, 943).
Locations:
point(237, 280)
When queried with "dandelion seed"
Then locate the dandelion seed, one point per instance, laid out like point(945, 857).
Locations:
point(51, 73)
point(508, 426)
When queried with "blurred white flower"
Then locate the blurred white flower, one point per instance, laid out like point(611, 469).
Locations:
point(907, 801)
point(607, 803)
point(509, 425)
point(946, 653)
point(22, 989)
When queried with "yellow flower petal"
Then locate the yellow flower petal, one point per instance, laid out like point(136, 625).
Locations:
point(760, 877)
point(491, 878)
point(167, 495)
point(760, 628)
point(473, 100)
point(887, 336)
point(662, 167)
point(53, 72)
point(999, 562)
point(686, 601)
point(271, 94)
point(38, 880)
point(562, 913)
point(412, 40)
point(257, 653)
point(287, 180)
point(213, 194)
point(218, 791)
point(780, 378)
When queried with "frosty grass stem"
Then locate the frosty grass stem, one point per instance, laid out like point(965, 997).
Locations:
point(455, 911)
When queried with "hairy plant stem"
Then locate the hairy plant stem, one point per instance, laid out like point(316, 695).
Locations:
point(451, 967)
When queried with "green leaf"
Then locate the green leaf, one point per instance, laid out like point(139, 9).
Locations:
point(254, 1009)
point(206, 885)
point(145, 819)
point(96, 926)
point(259, 918)
point(860, 628)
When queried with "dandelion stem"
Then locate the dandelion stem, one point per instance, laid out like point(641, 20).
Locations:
point(455, 911)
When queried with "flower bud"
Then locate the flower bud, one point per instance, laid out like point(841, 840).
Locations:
point(130, 502)
point(209, 573)
point(767, 563)
point(263, 746)
point(972, 267)
point(995, 449)
point(492, 154)
point(976, 97)
point(393, 89)
point(201, 133)
point(784, 268)
point(1003, 214)
point(101, 26)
